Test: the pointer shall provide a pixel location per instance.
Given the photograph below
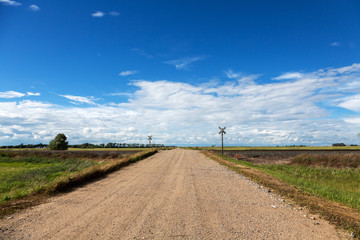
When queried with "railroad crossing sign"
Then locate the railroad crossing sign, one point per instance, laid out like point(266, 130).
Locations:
point(149, 138)
point(222, 132)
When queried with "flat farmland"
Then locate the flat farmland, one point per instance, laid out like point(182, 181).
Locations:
point(328, 175)
point(28, 173)
point(176, 194)
point(268, 156)
point(74, 153)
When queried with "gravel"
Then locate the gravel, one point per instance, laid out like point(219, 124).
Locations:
point(177, 194)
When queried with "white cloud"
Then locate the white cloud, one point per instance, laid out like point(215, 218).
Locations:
point(290, 75)
point(351, 103)
point(114, 13)
point(352, 68)
point(11, 94)
point(10, 2)
point(34, 8)
point(243, 79)
point(127, 73)
point(79, 99)
point(230, 74)
point(183, 63)
point(98, 14)
point(32, 94)
point(334, 44)
point(121, 94)
point(277, 113)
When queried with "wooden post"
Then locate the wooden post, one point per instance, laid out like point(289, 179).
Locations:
point(222, 143)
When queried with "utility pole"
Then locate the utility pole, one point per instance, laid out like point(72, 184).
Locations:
point(149, 138)
point(222, 132)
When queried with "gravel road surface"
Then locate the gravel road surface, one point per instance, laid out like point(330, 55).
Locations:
point(177, 194)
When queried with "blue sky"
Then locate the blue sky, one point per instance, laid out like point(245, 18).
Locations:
point(274, 72)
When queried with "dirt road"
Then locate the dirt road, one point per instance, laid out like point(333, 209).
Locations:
point(177, 194)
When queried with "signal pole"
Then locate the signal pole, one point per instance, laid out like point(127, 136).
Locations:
point(222, 132)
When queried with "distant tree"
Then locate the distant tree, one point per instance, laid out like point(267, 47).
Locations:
point(59, 142)
point(339, 144)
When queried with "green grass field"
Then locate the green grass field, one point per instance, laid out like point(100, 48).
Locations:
point(20, 177)
point(108, 149)
point(281, 148)
point(81, 149)
point(339, 185)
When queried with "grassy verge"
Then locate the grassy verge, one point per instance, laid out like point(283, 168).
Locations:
point(27, 181)
point(108, 149)
point(279, 148)
point(339, 185)
point(332, 193)
point(64, 183)
point(20, 177)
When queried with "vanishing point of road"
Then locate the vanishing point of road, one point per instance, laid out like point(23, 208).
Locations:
point(176, 194)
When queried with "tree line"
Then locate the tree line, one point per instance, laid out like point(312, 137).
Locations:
point(40, 145)
point(87, 145)
point(116, 145)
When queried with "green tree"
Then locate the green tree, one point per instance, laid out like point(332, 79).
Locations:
point(59, 142)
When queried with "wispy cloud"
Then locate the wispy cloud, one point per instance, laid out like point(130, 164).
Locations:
point(128, 73)
point(14, 94)
point(34, 8)
point(98, 14)
point(11, 94)
point(289, 75)
point(230, 74)
point(10, 2)
point(121, 94)
point(32, 94)
point(79, 99)
point(334, 44)
point(142, 52)
point(241, 78)
point(114, 13)
point(351, 103)
point(183, 63)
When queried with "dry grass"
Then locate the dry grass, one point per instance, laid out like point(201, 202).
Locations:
point(66, 183)
point(283, 148)
point(84, 154)
point(338, 214)
point(94, 172)
point(333, 161)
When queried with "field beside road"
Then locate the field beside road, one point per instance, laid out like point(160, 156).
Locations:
point(24, 174)
point(328, 175)
point(176, 194)
point(241, 148)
